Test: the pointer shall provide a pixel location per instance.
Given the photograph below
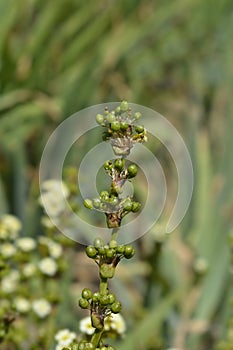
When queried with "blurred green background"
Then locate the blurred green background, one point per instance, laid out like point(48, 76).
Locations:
point(175, 57)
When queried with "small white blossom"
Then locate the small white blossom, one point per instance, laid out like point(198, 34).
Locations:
point(26, 244)
point(48, 266)
point(10, 282)
point(116, 323)
point(9, 227)
point(7, 250)
point(41, 307)
point(28, 270)
point(22, 305)
point(55, 250)
point(85, 326)
point(64, 337)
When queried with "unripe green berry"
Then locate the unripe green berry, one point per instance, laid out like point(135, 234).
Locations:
point(108, 165)
point(120, 249)
point(88, 203)
point(104, 300)
point(113, 201)
point(99, 119)
point(101, 250)
point(124, 126)
point(107, 271)
point(135, 207)
point(110, 118)
point(139, 128)
point(129, 251)
point(124, 106)
point(91, 252)
point(137, 115)
point(86, 293)
point(132, 170)
point(110, 253)
point(83, 303)
point(115, 126)
point(98, 242)
point(116, 307)
point(96, 297)
point(111, 298)
point(119, 164)
point(127, 204)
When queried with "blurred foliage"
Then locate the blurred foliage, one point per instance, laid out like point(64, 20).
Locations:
point(173, 56)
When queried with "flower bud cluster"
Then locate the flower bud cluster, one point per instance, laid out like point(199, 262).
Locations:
point(121, 128)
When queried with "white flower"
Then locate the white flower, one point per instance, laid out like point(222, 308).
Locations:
point(41, 307)
point(26, 244)
point(9, 226)
point(10, 282)
point(85, 326)
point(116, 323)
point(28, 270)
point(7, 250)
point(48, 266)
point(22, 305)
point(52, 197)
point(64, 337)
point(55, 250)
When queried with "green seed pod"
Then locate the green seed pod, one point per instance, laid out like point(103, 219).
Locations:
point(110, 118)
point(139, 128)
point(116, 307)
point(119, 164)
point(110, 253)
point(135, 207)
point(120, 249)
point(96, 203)
point(132, 170)
point(115, 126)
point(86, 293)
point(96, 297)
point(113, 244)
point(111, 298)
point(91, 252)
point(107, 271)
point(97, 321)
point(129, 251)
point(127, 204)
point(99, 119)
point(124, 106)
point(98, 242)
point(88, 203)
point(137, 115)
point(104, 300)
point(83, 303)
point(124, 126)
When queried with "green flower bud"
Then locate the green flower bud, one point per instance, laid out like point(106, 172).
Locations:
point(96, 297)
point(101, 250)
point(104, 195)
point(135, 207)
point(115, 126)
point(137, 115)
point(83, 303)
point(81, 345)
point(129, 251)
point(113, 201)
point(127, 204)
point(110, 118)
point(139, 128)
point(86, 293)
point(96, 203)
point(107, 271)
point(99, 118)
point(119, 164)
point(104, 300)
point(124, 126)
point(91, 252)
point(98, 242)
point(89, 346)
point(132, 170)
point(108, 165)
point(88, 203)
point(111, 298)
point(113, 244)
point(124, 106)
point(117, 110)
point(110, 253)
point(116, 307)
point(120, 249)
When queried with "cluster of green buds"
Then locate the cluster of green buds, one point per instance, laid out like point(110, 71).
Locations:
point(122, 128)
point(122, 132)
point(114, 207)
